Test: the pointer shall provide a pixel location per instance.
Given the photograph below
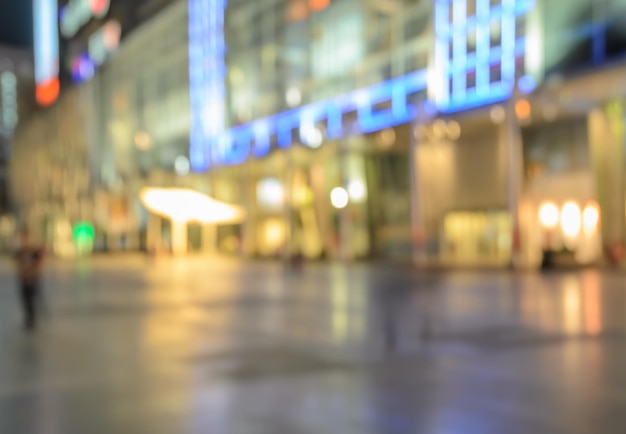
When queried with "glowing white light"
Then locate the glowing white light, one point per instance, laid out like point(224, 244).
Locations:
point(549, 215)
point(357, 190)
point(439, 129)
point(339, 198)
point(453, 130)
point(387, 137)
point(498, 114)
point(591, 218)
point(313, 137)
point(185, 206)
point(293, 97)
point(571, 219)
point(181, 165)
point(270, 193)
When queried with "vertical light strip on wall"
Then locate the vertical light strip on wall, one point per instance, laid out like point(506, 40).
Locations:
point(483, 43)
point(452, 31)
point(508, 40)
point(459, 49)
point(446, 81)
point(46, 47)
point(207, 74)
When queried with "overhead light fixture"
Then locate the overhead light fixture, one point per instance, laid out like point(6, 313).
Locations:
point(339, 198)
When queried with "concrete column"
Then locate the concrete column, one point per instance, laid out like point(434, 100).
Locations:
point(209, 238)
point(345, 224)
point(606, 142)
point(179, 238)
point(512, 140)
point(418, 222)
point(249, 227)
point(288, 248)
point(153, 232)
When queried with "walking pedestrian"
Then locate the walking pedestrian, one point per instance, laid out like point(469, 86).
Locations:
point(29, 260)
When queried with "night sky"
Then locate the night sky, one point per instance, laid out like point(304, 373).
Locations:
point(16, 22)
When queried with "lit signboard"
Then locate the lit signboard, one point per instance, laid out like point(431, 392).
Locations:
point(445, 81)
point(101, 45)
point(475, 39)
point(46, 44)
point(8, 91)
point(83, 68)
point(207, 73)
point(77, 13)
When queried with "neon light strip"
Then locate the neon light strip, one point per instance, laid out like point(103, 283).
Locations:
point(46, 42)
point(459, 49)
point(256, 136)
point(207, 74)
point(454, 32)
point(482, 46)
point(211, 144)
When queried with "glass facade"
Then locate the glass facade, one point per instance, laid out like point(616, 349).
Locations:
point(586, 34)
point(381, 128)
point(144, 99)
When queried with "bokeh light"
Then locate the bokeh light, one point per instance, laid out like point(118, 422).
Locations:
point(571, 219)
point(339, 198)
point(549, 215)
point(591, 218)
point(357, 190)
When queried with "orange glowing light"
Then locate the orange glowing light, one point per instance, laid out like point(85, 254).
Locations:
point(297, 11)
point(318, 5)
point(591, 218)
point(522, 109)
point(300, 10)
point(47, 92)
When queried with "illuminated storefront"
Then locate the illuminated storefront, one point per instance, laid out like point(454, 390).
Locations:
point(446, 132)
point(455, 95)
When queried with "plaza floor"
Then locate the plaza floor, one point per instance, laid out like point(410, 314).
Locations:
point(133, 345)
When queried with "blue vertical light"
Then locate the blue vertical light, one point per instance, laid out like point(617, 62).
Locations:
point(378, 106)
point(459, 48)
point(483, 43)
point(207, 74)
point(453, 29)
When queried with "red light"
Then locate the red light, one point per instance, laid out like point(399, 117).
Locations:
point(99, 7)
point(318, 5)
point(297, 11)
point(111, 33)
point(47, 92)
point(522, 109)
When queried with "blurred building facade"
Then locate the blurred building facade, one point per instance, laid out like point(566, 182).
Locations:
point(50, 178)
point(448, 132)
point(144, 121)
point(460, 132)
point(63, 141)
point(16, 102)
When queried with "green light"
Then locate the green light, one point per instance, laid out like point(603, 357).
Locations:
point(83, 233)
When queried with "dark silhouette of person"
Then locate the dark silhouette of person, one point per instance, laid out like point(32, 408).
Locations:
point(29, 260)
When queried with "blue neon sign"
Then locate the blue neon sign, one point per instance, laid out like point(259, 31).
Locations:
point(453, 25)
point(446, 81)
point(207, 74)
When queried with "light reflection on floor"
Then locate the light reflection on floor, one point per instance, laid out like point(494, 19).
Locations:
point(134, 345)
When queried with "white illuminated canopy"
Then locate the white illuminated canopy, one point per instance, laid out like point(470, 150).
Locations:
point(185, 206)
